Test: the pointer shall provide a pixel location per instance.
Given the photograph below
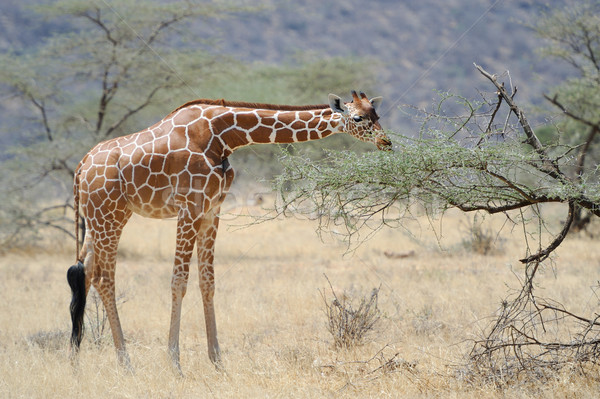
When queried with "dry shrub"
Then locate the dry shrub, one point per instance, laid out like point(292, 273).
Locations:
point(535, 338)
point(350, 324)
point(479, 239)
point(425, 323)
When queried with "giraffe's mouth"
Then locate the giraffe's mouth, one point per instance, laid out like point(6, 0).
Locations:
point(384, 144)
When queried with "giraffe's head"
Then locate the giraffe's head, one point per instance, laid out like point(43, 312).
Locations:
point(360, 119)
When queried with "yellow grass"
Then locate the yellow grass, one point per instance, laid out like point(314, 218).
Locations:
point(271, 323)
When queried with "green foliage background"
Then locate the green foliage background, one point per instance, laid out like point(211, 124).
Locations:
point(99, 69)
point(113, 69)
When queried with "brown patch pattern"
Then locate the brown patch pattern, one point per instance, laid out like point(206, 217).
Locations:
point(179, 168)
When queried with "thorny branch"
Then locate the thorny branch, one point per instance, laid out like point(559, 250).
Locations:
point(488, 130)
point(594, 130)
point(549, 165)
point(350, 190)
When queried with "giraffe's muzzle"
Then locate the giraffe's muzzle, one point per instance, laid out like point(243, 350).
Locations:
point(384, 143)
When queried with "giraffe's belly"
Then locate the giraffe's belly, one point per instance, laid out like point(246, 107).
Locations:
point(160, 186)
point(159, 204)
point(166, 202)
point(166, 212)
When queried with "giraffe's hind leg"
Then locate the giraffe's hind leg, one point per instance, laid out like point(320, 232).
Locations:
point(106, 235)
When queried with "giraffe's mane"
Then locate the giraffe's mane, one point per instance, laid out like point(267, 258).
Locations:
point(241, 104)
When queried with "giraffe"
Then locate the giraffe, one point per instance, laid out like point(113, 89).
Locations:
point(179, 168)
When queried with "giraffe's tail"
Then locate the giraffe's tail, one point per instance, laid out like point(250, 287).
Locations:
point(76, 279)
point(76, 276)
point(76, 209)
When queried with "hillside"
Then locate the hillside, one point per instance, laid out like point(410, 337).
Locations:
point(414, 47)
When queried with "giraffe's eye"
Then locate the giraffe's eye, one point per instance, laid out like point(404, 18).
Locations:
point(357, 118)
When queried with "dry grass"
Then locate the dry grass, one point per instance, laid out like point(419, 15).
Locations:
point(272, 327)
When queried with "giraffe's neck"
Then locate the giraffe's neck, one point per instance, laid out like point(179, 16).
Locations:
point(239, 127)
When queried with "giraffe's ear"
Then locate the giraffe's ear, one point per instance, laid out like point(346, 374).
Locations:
point(376, 102)
point(336, 104)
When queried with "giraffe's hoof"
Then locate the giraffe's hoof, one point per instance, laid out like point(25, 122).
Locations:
point(177, 369)
point(125, 362)
point(216, 360)
point(219, 366)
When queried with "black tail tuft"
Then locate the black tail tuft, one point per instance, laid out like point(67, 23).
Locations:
point(76, 279)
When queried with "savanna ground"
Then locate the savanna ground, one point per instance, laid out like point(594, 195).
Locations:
point(270, 313)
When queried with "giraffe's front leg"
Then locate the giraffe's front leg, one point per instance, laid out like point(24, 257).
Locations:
point(187, 229)
point(206, 245)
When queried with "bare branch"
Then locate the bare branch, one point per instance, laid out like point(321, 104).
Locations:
point(133, 111)
point(165, 24)
point(584, 150)
point(108, 91)
point(543, 254)
point(554, 100)
point(97, 19)
point(550, 166)
point(488, 130)
point(580, 318)
point(504, 208)
point(42, 108)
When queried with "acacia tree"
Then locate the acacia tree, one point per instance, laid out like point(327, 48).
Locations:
point(110, 63)
point(477, 161)
point(486, 158)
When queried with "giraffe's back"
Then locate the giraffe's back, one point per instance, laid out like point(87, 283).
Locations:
point(153, 172)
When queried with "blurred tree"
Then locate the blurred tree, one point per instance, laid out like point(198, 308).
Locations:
point(486, 158)
point(106, 69)
point(572, 33)
point(109, 64)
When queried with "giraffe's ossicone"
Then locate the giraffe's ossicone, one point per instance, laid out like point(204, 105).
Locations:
point(179, 168)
